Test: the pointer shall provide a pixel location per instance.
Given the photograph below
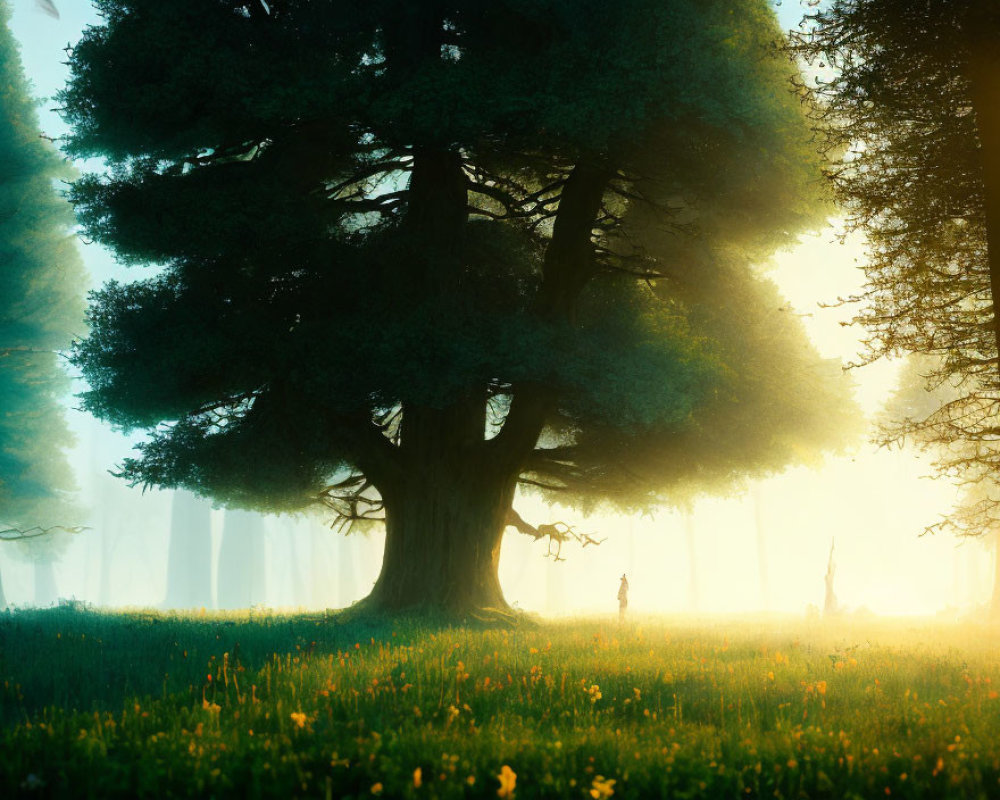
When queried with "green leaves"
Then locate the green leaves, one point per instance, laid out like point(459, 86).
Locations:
point(41, 308)
point(267, 162)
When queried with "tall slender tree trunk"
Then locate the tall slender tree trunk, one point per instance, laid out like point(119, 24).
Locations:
point(347, 570)
point(694, 596)
point(3, 597)
point(995, 603)
point(555, 587)
point(241, 577)
point(107, 560)
point(46, 592)
point(296, 574)
point(189, 558)
point(765, 588)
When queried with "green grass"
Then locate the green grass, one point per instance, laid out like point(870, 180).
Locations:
point(120, 705)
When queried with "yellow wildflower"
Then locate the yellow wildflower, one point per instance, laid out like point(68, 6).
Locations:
point(508, 779)
point(299, 718)
point(602, 787)
point(376, 788)
point(418, 777)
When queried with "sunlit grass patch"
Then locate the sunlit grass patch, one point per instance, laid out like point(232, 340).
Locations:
point(283, 706)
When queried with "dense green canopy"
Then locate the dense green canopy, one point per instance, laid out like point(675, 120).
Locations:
point(41, 308)
point(914, 103)
point(270, 160)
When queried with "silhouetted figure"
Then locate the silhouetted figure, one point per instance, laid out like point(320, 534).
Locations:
point(830, 602)
point(622, 598)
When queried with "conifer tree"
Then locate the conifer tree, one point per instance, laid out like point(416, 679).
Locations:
point(416, 254)
point(41, 309)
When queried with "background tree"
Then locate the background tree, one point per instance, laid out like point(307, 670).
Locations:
point(41, 308)
point(189, 558)
point(417, 254)
point(914, 103)
point(241, 577)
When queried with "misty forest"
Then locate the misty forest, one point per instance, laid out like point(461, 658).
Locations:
point(519, 399)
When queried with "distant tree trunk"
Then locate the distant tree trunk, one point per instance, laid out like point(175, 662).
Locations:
point(765, 588)
point(995, 604)
point(107, 559)
point(830, 599)
point(347, 570)
point(555, 587)
point(694, 596)
point(46, 592)
point(325, 549)
point(3, 597)
point(296, 574)
point(241, 575)
point(189, 558)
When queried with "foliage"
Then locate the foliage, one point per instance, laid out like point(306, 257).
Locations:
point(908, 93)
point(41, 308)
point(135, 704)
point(370, 210)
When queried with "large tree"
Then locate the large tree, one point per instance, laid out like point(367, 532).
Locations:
point(41, 308)
point(414, 254)
point(913, 104)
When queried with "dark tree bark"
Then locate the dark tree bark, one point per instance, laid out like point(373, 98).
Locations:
point(448, 491)
point(189, 559)
point(983, 74)
point(445, 521)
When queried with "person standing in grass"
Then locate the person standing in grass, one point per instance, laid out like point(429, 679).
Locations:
point(622, 598)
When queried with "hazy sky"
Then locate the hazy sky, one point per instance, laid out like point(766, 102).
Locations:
point(874, 503)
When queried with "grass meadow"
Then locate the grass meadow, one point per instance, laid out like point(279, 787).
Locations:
point(148, 704)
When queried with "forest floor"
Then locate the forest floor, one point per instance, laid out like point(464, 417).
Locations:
point(148, 704)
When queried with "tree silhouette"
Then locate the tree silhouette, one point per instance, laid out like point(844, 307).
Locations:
point(41, 307)
point(914, 107)
point(417, 254)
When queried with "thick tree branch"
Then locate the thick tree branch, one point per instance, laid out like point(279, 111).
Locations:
point(557, 534)
point(14, 534)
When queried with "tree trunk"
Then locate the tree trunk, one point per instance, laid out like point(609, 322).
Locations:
point(694, 596)
point(45, 583)
point(189, 560)
point(3, 597)
point(241, 574)
point(555, 587)
point(765, 588)
point(442, 544)
point(995, 604)
point(347, 570)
